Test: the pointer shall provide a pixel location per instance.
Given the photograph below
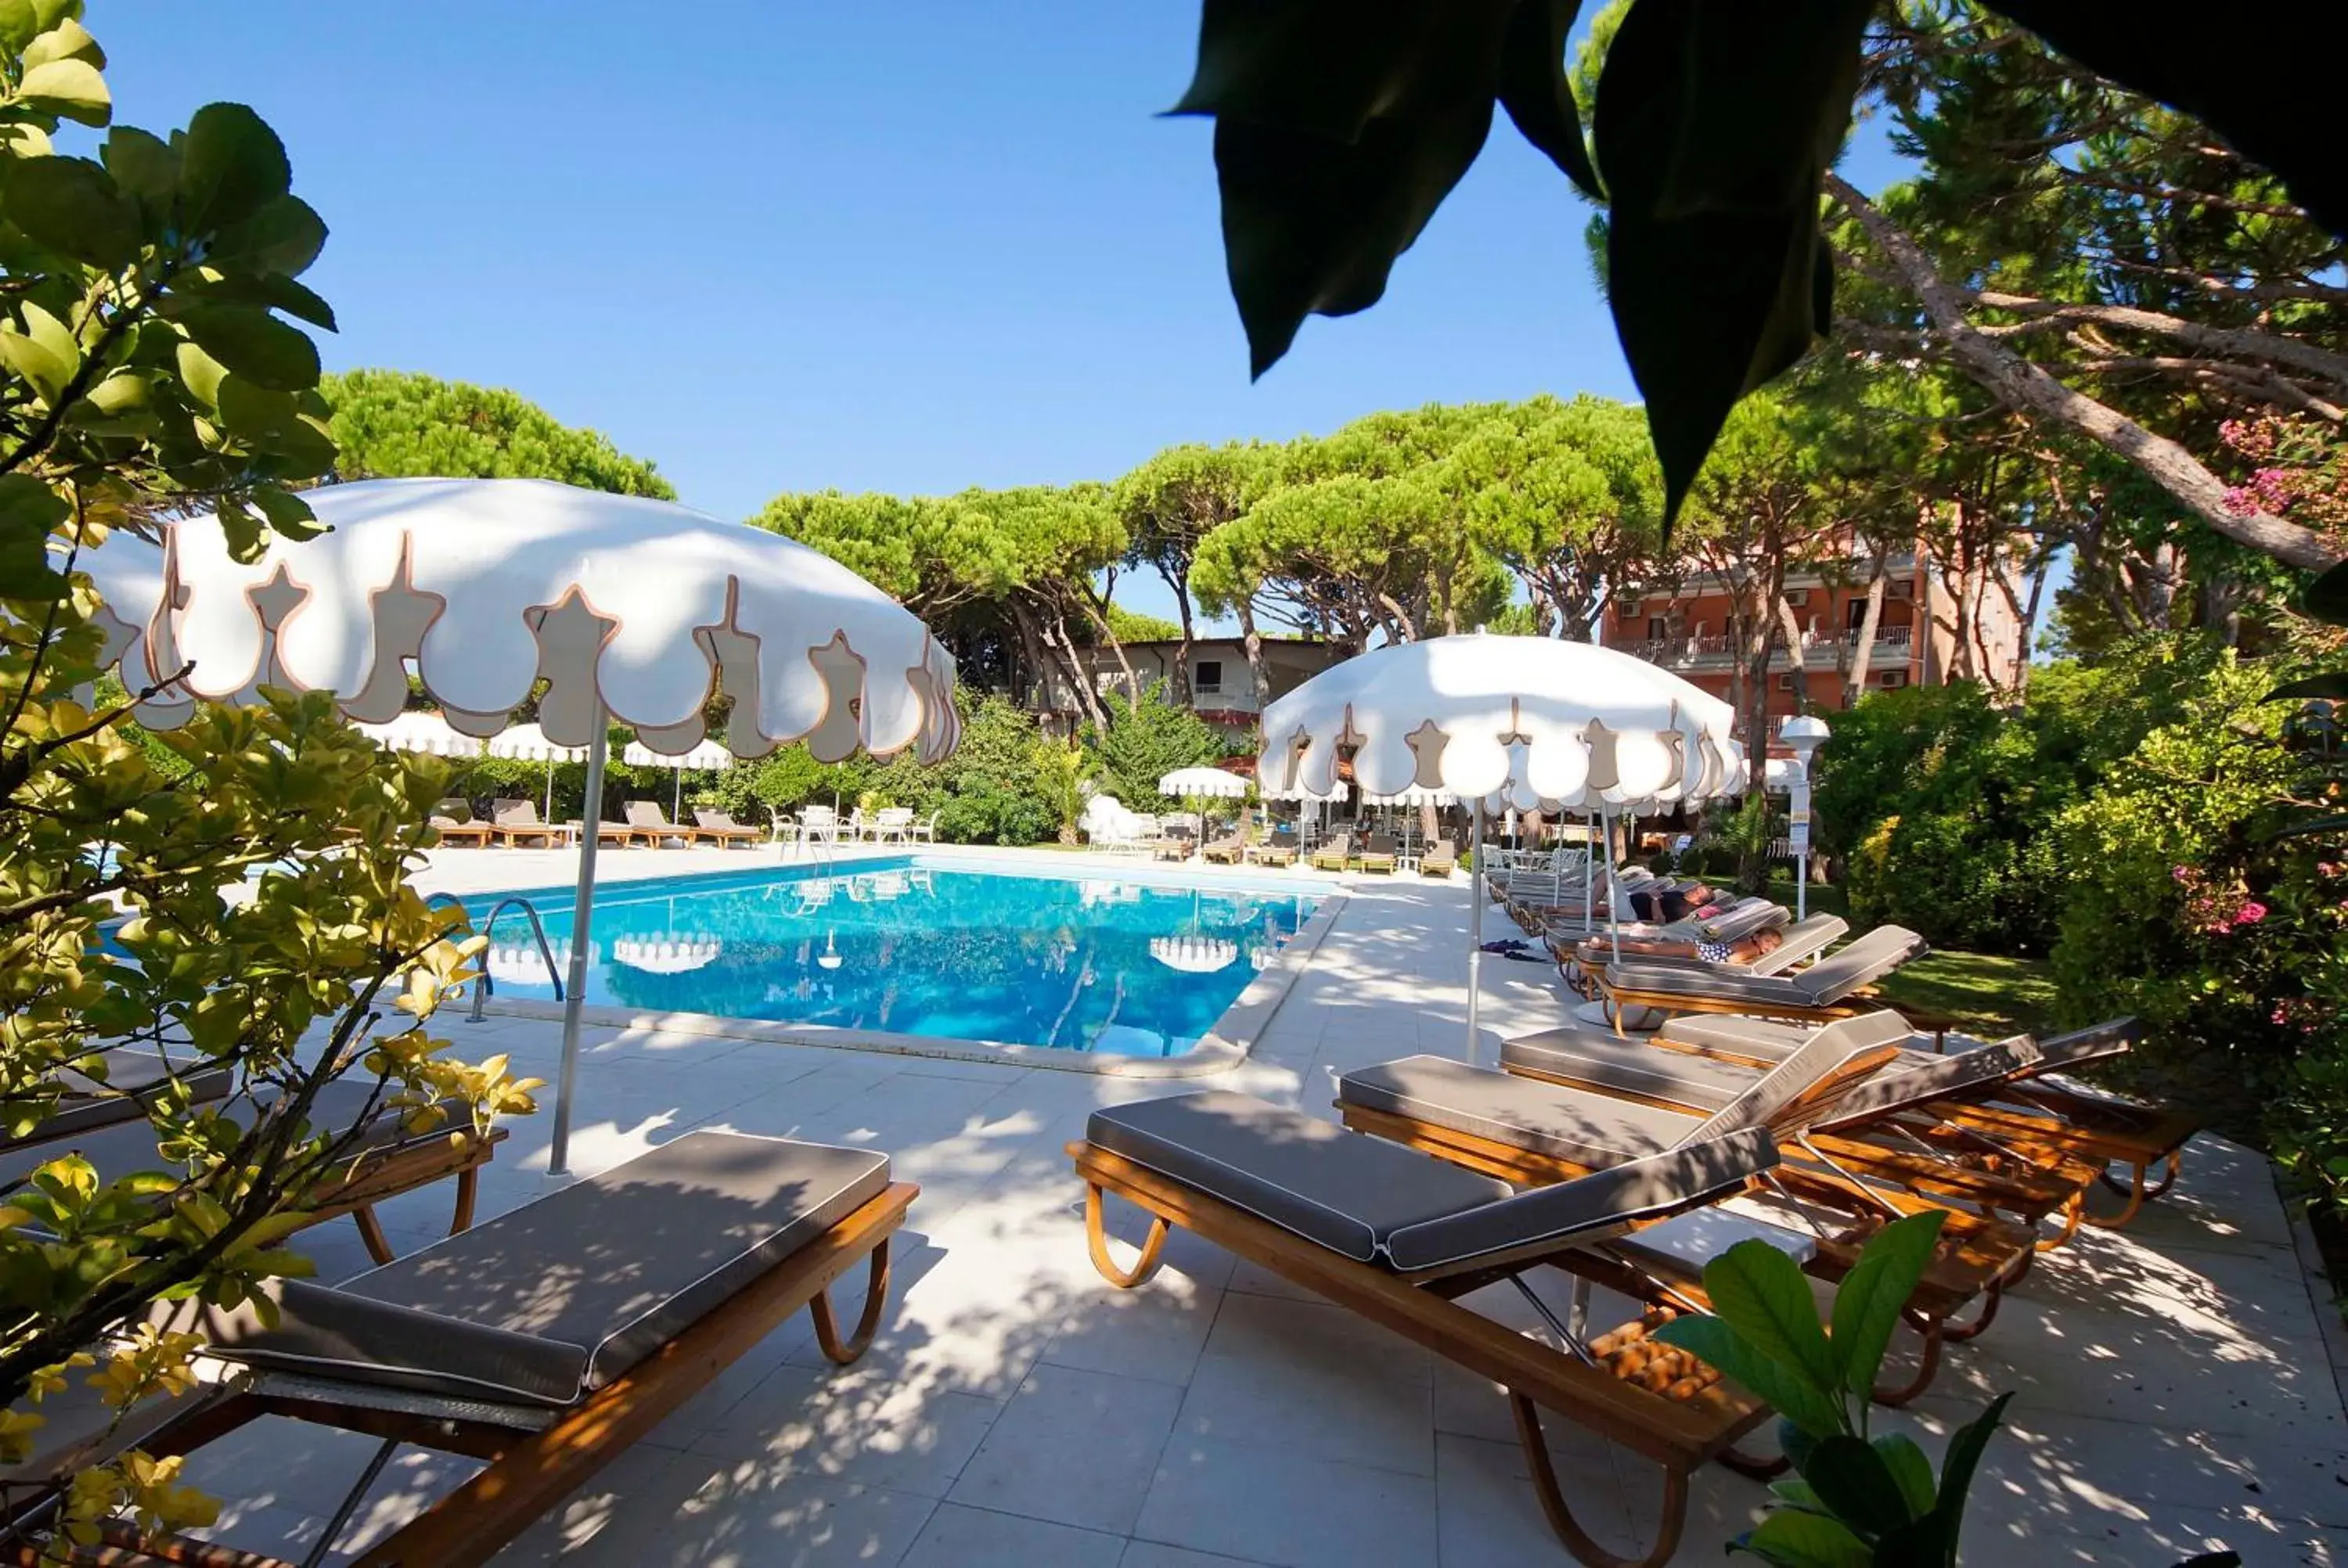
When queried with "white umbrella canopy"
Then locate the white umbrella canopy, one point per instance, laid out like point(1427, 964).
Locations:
point(426, 733)
point(706, 757)
point(528, 742)
point(1584, 723)
point(629, 609)
point(1209, 782)
point(1511, 722)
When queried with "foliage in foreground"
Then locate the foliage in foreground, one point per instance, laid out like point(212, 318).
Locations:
point(255, 862)
point(1858, 1499)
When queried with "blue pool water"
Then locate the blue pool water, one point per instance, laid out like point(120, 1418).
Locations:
point(1132, 966)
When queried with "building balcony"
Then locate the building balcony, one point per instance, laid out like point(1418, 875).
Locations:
point(1821, 650)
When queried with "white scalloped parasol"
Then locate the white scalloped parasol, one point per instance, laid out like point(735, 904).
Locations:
point(427, 732)
point(1212, 783)
point(629, 609)
point(1519, 721)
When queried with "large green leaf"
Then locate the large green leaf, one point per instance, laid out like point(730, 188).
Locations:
point(1764, 1296)
point(1931, 1541)
point(145, 168)
point(71, 206)
point(283, 236)
point(19, 25)
point(1716, 122)
point(1329, 67)
point(2332, 685)
point(2255, 80)
point(29, 510)
point(253, 344)
point(270, 289)
point(1912, 1470)
point(230, 166)
point(1312, 225)
point(70, 89)
point(1536, 91)
point(1868, 1301)
point(1856, 1486)
point(1797, 1540)
point(1787, 1391)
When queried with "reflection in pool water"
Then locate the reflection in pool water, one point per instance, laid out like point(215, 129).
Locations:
point(1136, 968)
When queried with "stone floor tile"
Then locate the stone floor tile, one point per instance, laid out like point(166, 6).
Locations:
point(1074, 1446)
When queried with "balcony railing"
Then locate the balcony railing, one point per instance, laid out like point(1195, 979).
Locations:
point(1684, 652)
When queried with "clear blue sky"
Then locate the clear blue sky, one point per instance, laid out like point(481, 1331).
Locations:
point(908, 246)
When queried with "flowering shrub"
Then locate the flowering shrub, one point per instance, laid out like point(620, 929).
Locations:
point(2183, 904)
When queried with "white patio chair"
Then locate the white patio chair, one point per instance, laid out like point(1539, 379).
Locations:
point(820, 823)
point(893, 822)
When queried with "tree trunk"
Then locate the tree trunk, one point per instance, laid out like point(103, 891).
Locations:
point(1862, 652)
point(1116, 646)
point(2022, 387)
point(1792, 632)
point(1181, 587)
point(1251, 644)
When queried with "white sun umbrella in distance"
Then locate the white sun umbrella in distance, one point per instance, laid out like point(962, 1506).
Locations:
point(706, 757)
point(426, 733)
point(630, 610)
point(1214, 784)
point(1572, 723)
point(527, 744)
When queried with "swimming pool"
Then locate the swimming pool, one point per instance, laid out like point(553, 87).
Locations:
point(1124, 965)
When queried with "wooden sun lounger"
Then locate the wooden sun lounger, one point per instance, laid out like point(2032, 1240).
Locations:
point(721, 826)
point(1379, 854)
point(1230, 849)
point(386, 1162)
point(646, 822)
point(453, 832)
point(718, 1238)
point(2040, 1135)
point(1441, 860)
point(1280, 849)
point(1399, 1239)
point(514, 821)
point(1332, 855)
point(1534, 1128)
point(1836, 987)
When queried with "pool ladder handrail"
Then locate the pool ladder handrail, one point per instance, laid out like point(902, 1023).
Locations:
point(483, 986)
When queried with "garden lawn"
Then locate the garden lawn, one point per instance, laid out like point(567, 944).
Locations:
point(1979, 993)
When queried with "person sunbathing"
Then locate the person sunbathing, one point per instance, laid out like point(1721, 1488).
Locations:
point(1742, 950)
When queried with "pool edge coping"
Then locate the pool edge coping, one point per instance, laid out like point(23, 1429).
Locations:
point(1224, 1045)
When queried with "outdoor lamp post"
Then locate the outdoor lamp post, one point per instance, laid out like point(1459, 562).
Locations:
point(1804, 733)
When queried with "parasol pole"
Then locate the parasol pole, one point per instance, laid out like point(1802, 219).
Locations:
point(550, 789)
point(1614, 903)
point(676, 796)
point(582, 912)
point(1475, 927)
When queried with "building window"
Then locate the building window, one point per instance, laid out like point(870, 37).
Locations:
point(1659, 627)
point(1210, 678)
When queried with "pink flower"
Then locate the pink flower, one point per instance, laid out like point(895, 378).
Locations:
point(2251, 914)
point(2180, 873)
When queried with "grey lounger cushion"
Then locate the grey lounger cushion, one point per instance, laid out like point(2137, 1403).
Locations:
point(1920, 1075)
point(1732, 1035)
point(1588, 1208)
point(1696, 1085)
point(1823, 984)
point(1345, 1191)
point(2080, 1046)
point(558, 1297)
point(130, 1075)
point(121, 1148)
point(1544, 1118)
point(1706, 1085)
point(1351, 1193)
point(1589, 1127)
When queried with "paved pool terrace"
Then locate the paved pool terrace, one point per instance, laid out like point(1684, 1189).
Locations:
point(2174, 1382)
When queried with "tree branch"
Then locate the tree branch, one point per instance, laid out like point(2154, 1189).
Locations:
point(2241, 342)
point(2024, 386)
